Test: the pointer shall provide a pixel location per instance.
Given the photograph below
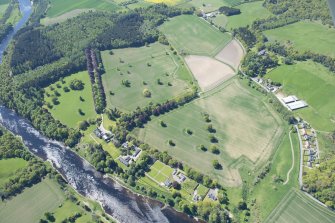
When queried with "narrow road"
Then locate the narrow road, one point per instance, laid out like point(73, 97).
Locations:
point(301, 157)
point(293, 161)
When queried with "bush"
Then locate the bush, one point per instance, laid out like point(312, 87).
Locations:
point(171, 143)
point(76, 84)
point(146, 93)
point(203, 148)
point(216, 165)
point(215, 149)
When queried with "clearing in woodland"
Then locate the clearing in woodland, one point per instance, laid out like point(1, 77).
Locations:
point(305, 36)
point(227, 119)
point(190, 34)
point(132, 70)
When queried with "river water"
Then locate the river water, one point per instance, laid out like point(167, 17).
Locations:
point(26, 9)
point(119, 202)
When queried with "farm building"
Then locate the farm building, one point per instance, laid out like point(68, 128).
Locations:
point(297, 105)
point(290, 99)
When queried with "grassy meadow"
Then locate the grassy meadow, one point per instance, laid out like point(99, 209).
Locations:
point(313, 83)
point(143, 67)
point(8, 167)
point(249, 13)
point(69, 102)
point(268, 188)
point(234, 115)
point(297, 207)
point(192, 35)
point(306, 35)
point(59, 7)
point(31, 205)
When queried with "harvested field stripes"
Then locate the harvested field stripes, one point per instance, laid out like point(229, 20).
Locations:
point(297, 207)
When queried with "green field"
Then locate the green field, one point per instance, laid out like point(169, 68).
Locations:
point(305, 35)
point(192, 35)
point(69, 103)
point(234, 113)
point(313, 83)
point(8, 167)
point(160, 172)
point(31, 205)
point(206, 5)
point(249, 13)
point(59, 7)
point(269, 193)
point(296, 207)
point(68, 209)
point(142, 67)
point(326, 144)
point(3, 7)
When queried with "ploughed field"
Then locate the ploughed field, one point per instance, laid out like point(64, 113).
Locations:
point(152, 67)
point(233, 111)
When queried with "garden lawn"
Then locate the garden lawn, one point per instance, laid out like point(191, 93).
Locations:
point(59, 7)
point(314, 84)
point(305, 36)
point(142, 67)
point(32, 203)
point(268, 193)
point(8, 167)
point(202, 190)
point(249, 13)
point(234, 113)
point(69, 103)
point(296, 207)
point(160, 172)
point(192, 35)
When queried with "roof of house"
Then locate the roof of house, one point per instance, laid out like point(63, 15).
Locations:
point(289, 99)
point(296, 105)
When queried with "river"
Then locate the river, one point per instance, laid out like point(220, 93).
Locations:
point(119, 202)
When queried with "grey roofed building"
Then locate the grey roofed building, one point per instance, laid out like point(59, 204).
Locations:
point(297, 105)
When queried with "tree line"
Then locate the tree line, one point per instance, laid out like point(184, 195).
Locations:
point(12, 147)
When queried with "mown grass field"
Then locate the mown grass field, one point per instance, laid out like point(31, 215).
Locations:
point(31, 205)
point(69, 102)
point(306, 36)
point(234, 113)
point(249, 13)
point(313, 83)
point(192, 35)
point(296, 207)
point(59, 7)
point(142, 67)
point(8, 167)
point(160, 172)
point(269, 193)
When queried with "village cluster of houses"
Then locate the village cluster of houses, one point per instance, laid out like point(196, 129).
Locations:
point(133, 152)
point(266, 84)
point(310, 144)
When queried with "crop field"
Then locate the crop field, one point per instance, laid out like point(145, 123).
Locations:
point(306, 36)
point(296, 207)
point(31, 205)
point(160, 172)
point(208, 72)
point(192, 35)
point(313, 83)
point(154, 68)
point(8, 167)
point(232, 54)
point(276, 190)
point(59, 7)
point(249, 13)
point(67, 111)
point(234, 113)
